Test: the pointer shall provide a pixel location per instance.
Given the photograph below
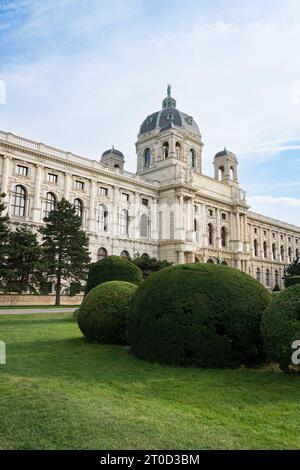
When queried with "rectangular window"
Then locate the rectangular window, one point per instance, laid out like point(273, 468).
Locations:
point(52, 178)
point(223, 216)
point(79, 185)
point(103, 191)
point(145, 202)
point(22, 170)
point(210, 212)
point(125, 197)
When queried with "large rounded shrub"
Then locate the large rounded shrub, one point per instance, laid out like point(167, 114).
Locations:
point(292, 281)
point(198, 314)
point(113, 268)
point(103, 313)
point(280, 325)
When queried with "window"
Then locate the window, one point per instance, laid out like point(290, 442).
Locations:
point(79, 185)
point(192, 158)
point(258, 274)
point(210, 212)
point(50, 202)
point(102, 218)
point(145, 202)
point(265, 249)
point(101, 253)
point(274, 252)
point(103, 191)
point(144, 223)
point(166, 150)
point(78, 208)
point(125, 197)
point(282, 252)
point(178, 150)
point(210, 234)
point(52, 178)
point(221, 173)
point(223, 237)
point(255, 246)
point(276, 277)
point(147, 158)
point(124, 222)
point(22, 170)
point(125, 254)
point(223, 216)
point(267, 278)
point(18, 203)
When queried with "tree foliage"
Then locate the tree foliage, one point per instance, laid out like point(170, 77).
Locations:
point(149, 265)
point(4, 243)
point(65, 246)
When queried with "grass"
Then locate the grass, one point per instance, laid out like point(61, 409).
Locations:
point(15, 307)
point(59, 392)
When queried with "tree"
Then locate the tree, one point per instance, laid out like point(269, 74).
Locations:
point(149, 265)
point(65, 246)
point(293, 269)
point(4, 239)
point(24, 260)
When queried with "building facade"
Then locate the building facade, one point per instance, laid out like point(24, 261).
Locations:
point(169, 209)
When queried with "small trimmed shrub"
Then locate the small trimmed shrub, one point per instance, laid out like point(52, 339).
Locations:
point(104, 310)
point(276, 288)
point(280, 326)
point(292, 281)
point(198, 315)
point(113, 268)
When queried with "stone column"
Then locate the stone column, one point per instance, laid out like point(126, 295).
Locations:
point(92, 218)
point(4, 183)
point(136, 225)
point(117, 212)
point(154, 220)
point(67, 185)
point(36, 210)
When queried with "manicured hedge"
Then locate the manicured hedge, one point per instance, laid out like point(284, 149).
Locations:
point(291, 281)
point(104, 310)
point(280, 325)
point(198, 315)
point(113, 268)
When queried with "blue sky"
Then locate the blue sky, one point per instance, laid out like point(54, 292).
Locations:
point(83, 74)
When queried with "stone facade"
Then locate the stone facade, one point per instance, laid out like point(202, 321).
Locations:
point(169, 209)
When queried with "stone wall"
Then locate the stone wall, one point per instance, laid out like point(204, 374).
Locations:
point(8, 300)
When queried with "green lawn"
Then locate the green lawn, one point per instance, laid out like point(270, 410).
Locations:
point(59, 392)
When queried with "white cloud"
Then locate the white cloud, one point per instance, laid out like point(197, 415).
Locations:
point(284, 208)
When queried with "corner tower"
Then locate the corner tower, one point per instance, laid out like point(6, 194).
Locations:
point(225, 164)
point(169, 143)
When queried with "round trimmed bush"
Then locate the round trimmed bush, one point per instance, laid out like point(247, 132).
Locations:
point(292, 281)
point(103, 313)
point(200, 315)
point(113, 268)
point(280, 326)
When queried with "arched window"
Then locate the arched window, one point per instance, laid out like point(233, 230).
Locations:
point(210, 234)
point(221, 173)
point(210, 261)
point(255, 247)
point(145, 255)
point(192, 158)
point(124, 225)
point(166, 149)
point(125, 254)
point(231, 173)
point(258, 274)
point(265, 249)
point(178, 150)
point(147, 157)
point(290, 254)
point(276, 277)
point(144, 225)
point(78, 207)
point(282, 252)
point(297, 253)
point(101, 253)
point(274, 252)
point(50, 203)
point(224, 263)
point(223, 237)
point(267, 277)
point(102, 218)
point(18, 202)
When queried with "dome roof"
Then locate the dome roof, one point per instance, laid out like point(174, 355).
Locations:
point(169, 117)
point(224, 153)
point(113, 151)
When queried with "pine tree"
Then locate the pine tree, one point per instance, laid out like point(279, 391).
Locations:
point(294, 268)
point(4, 241)
point(65, 247)
point(24, 260)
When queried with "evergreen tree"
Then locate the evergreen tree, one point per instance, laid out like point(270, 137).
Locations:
point(24, 260)
point(4, 241)
point(293, 269)
point(65, 247)
point(149, 265)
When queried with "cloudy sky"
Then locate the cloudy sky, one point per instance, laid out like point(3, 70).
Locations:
point(83, 74)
